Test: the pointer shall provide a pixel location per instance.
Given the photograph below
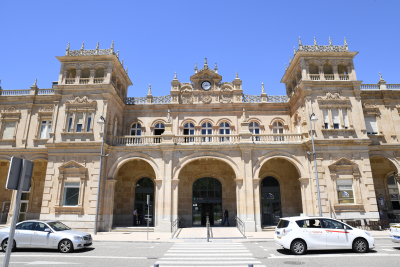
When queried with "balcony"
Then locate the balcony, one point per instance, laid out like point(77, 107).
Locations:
point(212, 139)
point(84, 80)
point(343, 77)
point(98, 80)
point(69, 80)
point(314, 77)
point(329, 77)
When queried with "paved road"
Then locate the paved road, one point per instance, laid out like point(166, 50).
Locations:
point(192, 253)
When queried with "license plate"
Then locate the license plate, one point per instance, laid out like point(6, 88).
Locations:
point(397, 237)
point(278, 237)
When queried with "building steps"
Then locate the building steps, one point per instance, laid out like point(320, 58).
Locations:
point(268, 228)
point(132, 229)
point(2, 226)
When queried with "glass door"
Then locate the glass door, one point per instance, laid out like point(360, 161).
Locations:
point(23, 208)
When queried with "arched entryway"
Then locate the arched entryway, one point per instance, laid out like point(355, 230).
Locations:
point(134, 181)
point(280, 191)
point(143, 188)
point(207, 201)
point(271, 209)
point(203, 180)
point(5, 194)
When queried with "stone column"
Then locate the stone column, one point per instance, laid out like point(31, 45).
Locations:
point(357, 186)
point(305, 193)
point(335, 73)
point(239, 201)
point(158, 204)
point(174, 185)
point(257, 200)
point(108, 205)
point(248, 201)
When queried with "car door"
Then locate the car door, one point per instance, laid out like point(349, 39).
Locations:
point(337, 237)
point(40, 238)
point(23, 234)
point(313, 233)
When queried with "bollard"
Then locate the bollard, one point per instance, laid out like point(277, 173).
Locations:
point(250, 265)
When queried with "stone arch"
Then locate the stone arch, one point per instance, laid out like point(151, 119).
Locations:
point(383, 154)
point(279, 154)
point(224, 120)
point(206, 120)
point(112, 173)
point(203, 155)
point(188, 121)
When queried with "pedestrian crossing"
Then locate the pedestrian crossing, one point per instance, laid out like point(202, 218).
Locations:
point(203, 254)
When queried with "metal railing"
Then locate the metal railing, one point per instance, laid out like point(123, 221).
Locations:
point(240, 226)
point(208, 228)
point(175, 226)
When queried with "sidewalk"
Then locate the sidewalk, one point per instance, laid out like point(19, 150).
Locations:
point(198, 234)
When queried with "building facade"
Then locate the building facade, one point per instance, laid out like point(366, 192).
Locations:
point(205, 147)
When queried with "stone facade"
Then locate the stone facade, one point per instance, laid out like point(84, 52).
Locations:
point(204, 128)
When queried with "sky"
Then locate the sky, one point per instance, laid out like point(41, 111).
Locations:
point(158, 38)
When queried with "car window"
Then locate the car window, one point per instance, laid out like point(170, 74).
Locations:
point(283, 224)
point(331, 224)
point(40, 226)
point(309, 223)
point(58, 226)
point(25, 226)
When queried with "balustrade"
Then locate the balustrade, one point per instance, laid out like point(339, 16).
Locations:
point(14, 92)
point(98, 80)
point(329, 77)
point(343, 77)
point(207, 139)
point(276, 138)
point(393, 86)
point(69, 80)
point(45, 92)
point(314, 77)
point(137, 140)
point(84, 80)
point(369, 86)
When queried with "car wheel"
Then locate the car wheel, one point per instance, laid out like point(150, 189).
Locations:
point(298, 247)
point(65, 246)
point(360, 245)
point(4, 245)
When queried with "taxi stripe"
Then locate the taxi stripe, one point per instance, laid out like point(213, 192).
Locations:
point(337, 231)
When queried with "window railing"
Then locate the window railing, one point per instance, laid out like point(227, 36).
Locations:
point(314, 77)
point(137, 140)
point(343, 77)
point(14, 92)
point(84, 80)
point(276, 138)
point(329, 77)
point(98, 80)
point(69, 80)
point(45, 92)
point(207, 139)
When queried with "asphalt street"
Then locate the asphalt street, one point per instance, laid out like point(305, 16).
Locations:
point(199, 253)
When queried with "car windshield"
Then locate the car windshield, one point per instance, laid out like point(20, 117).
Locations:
point(283, 224)
point(58, 226)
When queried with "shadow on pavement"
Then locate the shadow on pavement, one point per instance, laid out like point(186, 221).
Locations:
point(54, 251)
point(326, 252)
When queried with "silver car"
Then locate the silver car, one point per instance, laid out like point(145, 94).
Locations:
point(45, 234)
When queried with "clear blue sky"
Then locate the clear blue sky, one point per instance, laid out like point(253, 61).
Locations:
point(157, 38)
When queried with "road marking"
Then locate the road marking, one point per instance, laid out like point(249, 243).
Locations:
point(208, 250)
point(73, 256)
point(207, 262)
point(49, 263)
point(207, 254)
point(334, 256)
point(211, 259)
point(385, 249)
point(145, 247)
point(213, 265)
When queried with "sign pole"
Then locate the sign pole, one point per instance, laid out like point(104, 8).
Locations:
point(148, 215)
point(15, 214)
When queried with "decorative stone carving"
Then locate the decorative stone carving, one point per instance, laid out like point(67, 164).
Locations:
point(225, 99)
point(332, 96)
point(396, 154)
point(11, 110)
point(187, 99)
point(206, 99)
point(81, 100)
point(369, 105)
point(46, 109)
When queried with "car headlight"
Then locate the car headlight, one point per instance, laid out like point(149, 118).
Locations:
point(78, 237)
point(367, 233)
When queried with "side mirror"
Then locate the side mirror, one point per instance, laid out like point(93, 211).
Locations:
point(47, 230)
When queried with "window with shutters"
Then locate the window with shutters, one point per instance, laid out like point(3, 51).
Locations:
point(345, 191)
point(45, 128)
point(79, 122)
point(326, 118)
point(335, 118)
point(371, 125)
point(8, 131)
point(80, 115)
point(345, 118)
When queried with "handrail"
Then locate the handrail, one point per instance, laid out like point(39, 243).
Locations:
point(175, 226)
point(277, 138)
point(207, 139)
point(208, 228)
point(137, 140)
point(240, 226)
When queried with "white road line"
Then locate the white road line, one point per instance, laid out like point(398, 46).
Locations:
point(73, 256)
point(335, 256)
point(208, 255)
point(208, 250)
point(207, 262)
point(211, 259)
point(213, 265)
point(385, 249)
point(232, 249)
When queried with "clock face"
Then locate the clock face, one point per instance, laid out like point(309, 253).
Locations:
point(206, 85)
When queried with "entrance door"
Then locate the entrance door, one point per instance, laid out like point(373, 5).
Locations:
point(144, 187)
point(23, 206)
point(207, 201)
point(270, 201)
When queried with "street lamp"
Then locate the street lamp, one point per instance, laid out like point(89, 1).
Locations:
point(314, 119)
point(101, 122)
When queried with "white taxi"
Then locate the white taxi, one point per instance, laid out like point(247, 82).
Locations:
point(300, 234)
point(395, 233)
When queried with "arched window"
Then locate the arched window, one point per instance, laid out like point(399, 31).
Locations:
point(188, 129)
point(254, 128)
point(100, 73)
point(85, 73)
point(277, 128)
point(224, 129)
point(394, 193)
point(342, 69)
point(72, 73)
point(206, 128)
point(159, 128)
point(313, 69)
point(136, 129)
point(115, 126)
point(328, 72)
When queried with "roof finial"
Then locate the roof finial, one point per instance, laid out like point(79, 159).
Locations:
point(67, 50)
point(290, 60)
point(380, 76)
point(205, 63)
point(35, 84)
point(300, 44)
point(112, 46)
point(216, 68)
point(237, 77)
point(244, 119)
point(330, 42)
point(285, 66)
point(149, 92)
point(175, 77)
point(126, 70)
point(315, 42)
point(294, 51)
point(83, 46)
point(118, 54)
point(122, 62)
point(169, 116)
point(195, 68)
point(345, 44)
point(262, 88)
point(97, 46)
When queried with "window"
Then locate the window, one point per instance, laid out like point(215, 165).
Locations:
point(372, 126)
point(394, 193)
point(206, 128)
point(158, 130)
point(100, 73)
point(224, 128)
point(311, 223)
point(71, 194)
point(331, 224)
point(254, 128)
point(277, 128)
point(58, 226)
point(345, 191)
point(70, 117)
point(326, 118)
point(115, 127)
point(188, 129)
point(72, 73)
point(45, 129)
point(8, 130)
point(88, 122)
point(345, 119)
point(136, 129)
point(79, 122)
point(335, 118)
point(26, 226)
point(40, 227)
point(85, 73)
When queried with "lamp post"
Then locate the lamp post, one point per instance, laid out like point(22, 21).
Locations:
point(101, 122)
point(314, 119)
